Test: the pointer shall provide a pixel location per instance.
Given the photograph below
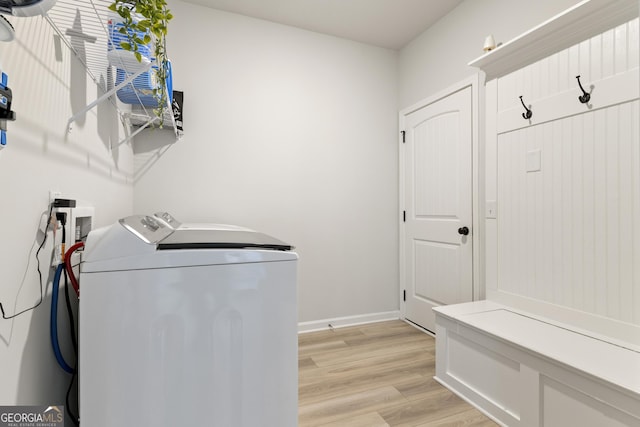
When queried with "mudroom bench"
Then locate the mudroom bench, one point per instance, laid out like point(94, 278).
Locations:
point(525, 370)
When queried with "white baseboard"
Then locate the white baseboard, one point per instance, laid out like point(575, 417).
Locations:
point(341, 322)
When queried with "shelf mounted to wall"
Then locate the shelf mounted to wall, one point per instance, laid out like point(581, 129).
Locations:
point(83, 27)
point(580, 22)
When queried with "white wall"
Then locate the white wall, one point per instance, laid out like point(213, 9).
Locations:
point(292, 133)
point(438, 57)
point(40, 156)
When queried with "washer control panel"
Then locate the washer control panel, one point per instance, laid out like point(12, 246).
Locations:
point(147, 228)
point(168, 219)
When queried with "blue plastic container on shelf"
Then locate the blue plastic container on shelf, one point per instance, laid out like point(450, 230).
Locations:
point(140, 90)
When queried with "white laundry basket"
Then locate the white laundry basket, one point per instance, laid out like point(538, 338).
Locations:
point(140, 90)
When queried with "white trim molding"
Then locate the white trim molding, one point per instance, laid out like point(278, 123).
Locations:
point(342, 322)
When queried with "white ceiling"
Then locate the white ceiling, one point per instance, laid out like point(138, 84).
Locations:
point(385, 23)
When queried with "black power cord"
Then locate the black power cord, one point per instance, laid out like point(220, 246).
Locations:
point(74, 418)
point(44, 240)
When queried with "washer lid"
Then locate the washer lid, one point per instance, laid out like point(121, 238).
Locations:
point(158, 231)
point(220, 239)
point(143, 242)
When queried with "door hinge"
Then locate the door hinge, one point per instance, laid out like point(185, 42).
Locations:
point(404, 295)
point(404, 216)
point(403, 136)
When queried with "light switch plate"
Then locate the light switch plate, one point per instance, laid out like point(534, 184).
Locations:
point(534, 160)
point(491, 209)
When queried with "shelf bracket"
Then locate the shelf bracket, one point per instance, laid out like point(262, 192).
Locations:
point(140, 129)
point(108, 93)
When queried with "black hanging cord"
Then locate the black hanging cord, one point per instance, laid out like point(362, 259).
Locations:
point(526, 115)
point(44, 240)
point(74, 417)
point(72, 326)
point(586, 96)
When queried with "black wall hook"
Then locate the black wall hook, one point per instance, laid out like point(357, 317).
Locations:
point(527, 115)
point(586, 96)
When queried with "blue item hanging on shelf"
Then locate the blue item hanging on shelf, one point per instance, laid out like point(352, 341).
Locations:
point(6, 113)
point(140, 90)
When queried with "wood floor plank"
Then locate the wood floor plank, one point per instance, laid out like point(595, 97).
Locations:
point(328, 335)
point(389, 327)
point(469, 418)
point(438, 405)
point(306, 363)
point(334, 409)
point(321, 347)
point(414, 360)
point(372, 349)
point(418, 388)
point(371, 419)
point(391, 335)
point(379, 374)
point(341, 388)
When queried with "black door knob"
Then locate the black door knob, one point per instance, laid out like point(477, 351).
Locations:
point(463, 230)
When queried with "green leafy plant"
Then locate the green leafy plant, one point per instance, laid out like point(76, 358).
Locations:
point(145, 21)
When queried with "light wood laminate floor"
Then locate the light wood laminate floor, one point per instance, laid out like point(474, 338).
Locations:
point(376, 375)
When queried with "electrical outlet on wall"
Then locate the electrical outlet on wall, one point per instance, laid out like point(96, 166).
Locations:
point(73, 221)
point(54, 194)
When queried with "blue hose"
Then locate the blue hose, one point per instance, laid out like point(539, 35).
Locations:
point(54, 321)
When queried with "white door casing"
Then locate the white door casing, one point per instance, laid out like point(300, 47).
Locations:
point(437, 201)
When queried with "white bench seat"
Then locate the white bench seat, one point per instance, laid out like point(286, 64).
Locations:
point(524, 370)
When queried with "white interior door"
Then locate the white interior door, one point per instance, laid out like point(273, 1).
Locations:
point(438, 252)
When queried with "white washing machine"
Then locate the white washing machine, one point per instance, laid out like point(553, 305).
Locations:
point(187, 325)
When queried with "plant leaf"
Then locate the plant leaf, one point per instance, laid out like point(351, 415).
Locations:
point(151, 28)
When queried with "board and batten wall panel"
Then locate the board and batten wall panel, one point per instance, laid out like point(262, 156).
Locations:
point(569, 233)
point(613, 52)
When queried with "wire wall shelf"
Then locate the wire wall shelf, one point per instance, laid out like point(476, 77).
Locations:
point(83, 26)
